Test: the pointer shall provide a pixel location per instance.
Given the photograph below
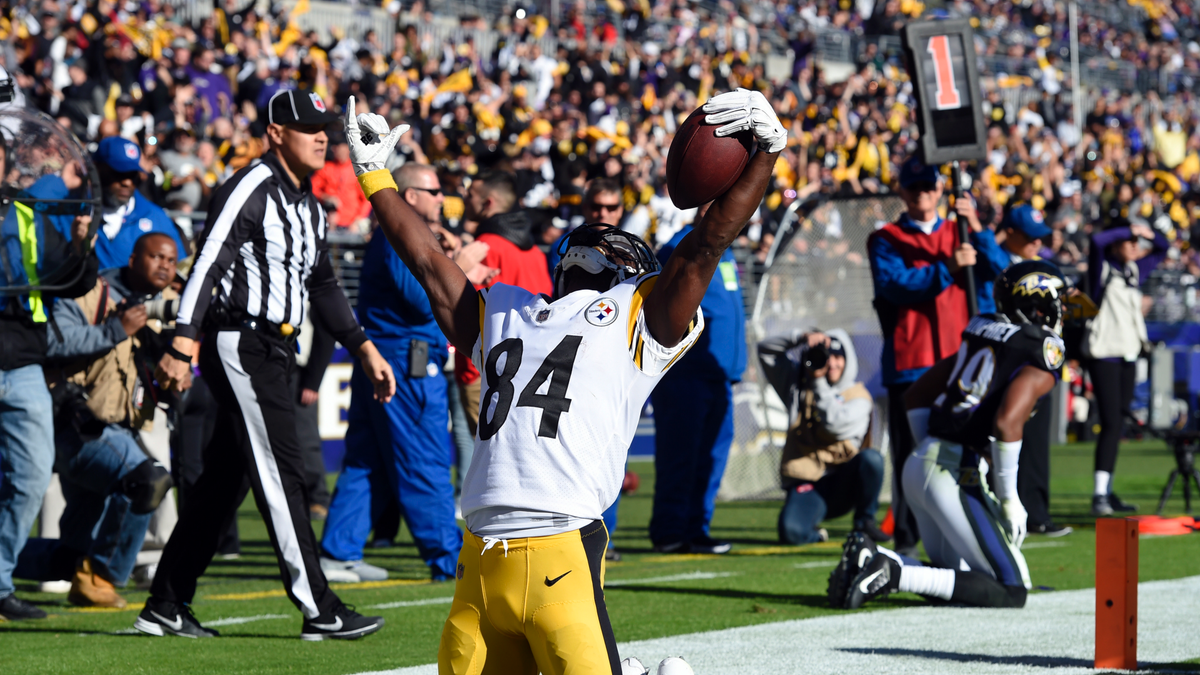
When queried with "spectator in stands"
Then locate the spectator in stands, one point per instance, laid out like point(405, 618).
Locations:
point(1118, 265)
point(126, 214)
point(184, 172)
point(917, 263)
point(337, 188)
point(111, 485)
point(693, 417)
point(825, 469)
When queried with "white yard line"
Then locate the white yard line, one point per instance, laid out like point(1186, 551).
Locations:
point(1044, 544)
point(688, 576)
point(813, 564)
point(1053, 635)
point(412, 603)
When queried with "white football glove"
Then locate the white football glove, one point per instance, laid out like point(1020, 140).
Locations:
point(743, 110)
point(1015, 519)
point(371, 140)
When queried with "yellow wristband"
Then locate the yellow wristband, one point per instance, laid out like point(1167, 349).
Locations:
point(374, 181)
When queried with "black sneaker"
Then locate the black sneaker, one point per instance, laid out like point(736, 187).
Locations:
point(871, 529)
point(706, 544)
point(856, 553)
point(160, 617)
point(672, 547)
point(1100, 506)
point(880, 577)
point(1119, 506)
point(13, 608)
point(611, 555)
point(1051, 529)
point(343, 623)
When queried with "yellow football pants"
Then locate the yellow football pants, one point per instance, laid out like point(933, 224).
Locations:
point(539, 606)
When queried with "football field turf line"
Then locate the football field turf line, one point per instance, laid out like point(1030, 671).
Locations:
point(1054, 635)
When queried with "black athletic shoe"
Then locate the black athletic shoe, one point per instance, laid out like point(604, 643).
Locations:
point(13, 608)
point(672, 547)
point(160, 617)
point(880, 577)
point(1051, 529)
point(856, 553)
point(706, 544)
point(611, 555)
point(1119, 506)
point(871, 529)
point(343, 623)
point(1100, 506)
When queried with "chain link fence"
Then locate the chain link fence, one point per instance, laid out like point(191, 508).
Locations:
point(817, 276)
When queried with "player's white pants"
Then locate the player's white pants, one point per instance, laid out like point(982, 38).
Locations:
point(957, 515)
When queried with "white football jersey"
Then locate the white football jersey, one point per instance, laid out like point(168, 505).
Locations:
point(562, 390)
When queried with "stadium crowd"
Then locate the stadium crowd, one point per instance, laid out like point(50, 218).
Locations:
point(595, 98)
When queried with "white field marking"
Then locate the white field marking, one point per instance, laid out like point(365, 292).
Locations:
point(412, 603)
point(1053, 635)
point(1044, 544)
point(689, 576)
point(230, 621)
point(812, 564)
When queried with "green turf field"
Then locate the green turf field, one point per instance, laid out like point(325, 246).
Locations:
point(649, 595)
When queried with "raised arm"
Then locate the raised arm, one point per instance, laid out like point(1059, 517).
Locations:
point(454, 299)
point(672, 304)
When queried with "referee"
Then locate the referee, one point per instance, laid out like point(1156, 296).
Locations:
point(264, 254)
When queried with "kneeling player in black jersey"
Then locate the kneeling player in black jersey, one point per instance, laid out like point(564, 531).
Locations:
point(962, 478)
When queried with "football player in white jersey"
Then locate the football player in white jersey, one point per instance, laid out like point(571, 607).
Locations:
point(564, 380)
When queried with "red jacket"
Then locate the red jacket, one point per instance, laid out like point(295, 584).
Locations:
point(337, 180)
point(524, 268)
point(923, 333)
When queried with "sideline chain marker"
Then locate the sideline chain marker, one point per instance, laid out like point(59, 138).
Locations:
point(1116, 593)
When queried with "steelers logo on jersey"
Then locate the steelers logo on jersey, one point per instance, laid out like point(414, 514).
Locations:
point(602, 312)
point(1052, 349)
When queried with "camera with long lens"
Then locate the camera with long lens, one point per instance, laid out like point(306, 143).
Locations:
point(162, 309)
point(816, 358)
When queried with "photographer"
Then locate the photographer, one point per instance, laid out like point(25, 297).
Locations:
point(824, 469)
point(101, 388)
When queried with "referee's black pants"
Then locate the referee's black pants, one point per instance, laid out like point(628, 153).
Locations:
point(1033, 471)
point(900, 437)
point(255, 436)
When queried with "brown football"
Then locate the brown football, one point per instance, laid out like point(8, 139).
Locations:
point(702, 166)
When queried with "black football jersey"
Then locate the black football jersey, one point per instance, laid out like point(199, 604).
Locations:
point(993, 351)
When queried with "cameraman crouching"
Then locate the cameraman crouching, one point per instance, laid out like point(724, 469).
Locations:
point(824, 470)
point(103, 395)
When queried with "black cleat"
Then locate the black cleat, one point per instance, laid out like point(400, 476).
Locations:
point(708, 545)
point(13, 608)
point(880, 577)
point(871, 529)
point(343, 623)
point(1051, 529)
point(1119, 506)
point(856, 553)
point(160, 617)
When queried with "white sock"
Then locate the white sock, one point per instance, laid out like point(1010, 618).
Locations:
point(932, 581)
point(1102, 482)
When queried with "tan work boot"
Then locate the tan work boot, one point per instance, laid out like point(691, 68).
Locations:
point(89, 589)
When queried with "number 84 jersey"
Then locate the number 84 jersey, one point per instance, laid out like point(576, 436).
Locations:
point(563, 385)
point(993, 351)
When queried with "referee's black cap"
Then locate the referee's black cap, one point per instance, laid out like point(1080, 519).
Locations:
point(298, 107)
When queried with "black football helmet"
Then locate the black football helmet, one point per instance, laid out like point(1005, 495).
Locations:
point(1032, 291)
point(600, 248)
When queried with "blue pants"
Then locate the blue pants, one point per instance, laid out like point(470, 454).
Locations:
point(693, 429)
point(98, 521)
point(610, 520)
point(26, 460)
point(853, 485)
point(399, 448)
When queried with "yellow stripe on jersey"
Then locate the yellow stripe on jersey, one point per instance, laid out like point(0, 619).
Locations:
point(635, 305)
point(637, 354)
point(691, 327)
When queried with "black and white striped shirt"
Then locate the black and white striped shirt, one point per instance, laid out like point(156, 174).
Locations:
point(264, 252)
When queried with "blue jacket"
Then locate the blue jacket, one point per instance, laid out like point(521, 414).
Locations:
point(145, 217)
point(392, 306)
point(899, 284)
point(720, 353)
point(51, 246)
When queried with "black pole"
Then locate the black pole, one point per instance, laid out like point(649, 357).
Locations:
point(963, 227)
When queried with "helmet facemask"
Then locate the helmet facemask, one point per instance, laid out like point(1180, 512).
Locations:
point(603, 249)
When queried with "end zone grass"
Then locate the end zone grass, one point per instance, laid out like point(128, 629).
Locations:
point(649, 595)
